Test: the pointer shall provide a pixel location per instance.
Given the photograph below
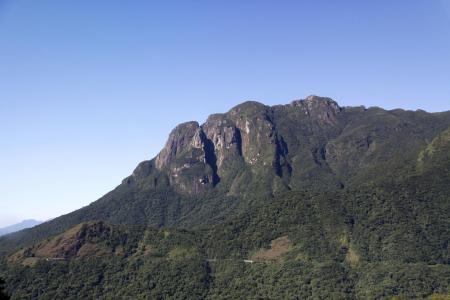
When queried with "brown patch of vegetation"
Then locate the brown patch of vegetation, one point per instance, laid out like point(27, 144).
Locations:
point(90, 249)
point(30, 261)
point(78, 241)
point(74, 242)
point(352, 258)
point(148, 250)
point(16, 257)
point(278, 247)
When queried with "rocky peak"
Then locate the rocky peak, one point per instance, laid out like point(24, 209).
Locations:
point(224, 136)
point(188, 159)
point(196, 158)
point(185, 134)
point(324, 109)
point(247, 109)
point(257, 132)
point(314, 102)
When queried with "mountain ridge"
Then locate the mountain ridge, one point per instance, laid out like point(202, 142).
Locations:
point(347, 192)
point(156, 180)
point(149, 176)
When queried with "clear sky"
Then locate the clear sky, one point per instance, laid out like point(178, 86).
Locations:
point(88, 89)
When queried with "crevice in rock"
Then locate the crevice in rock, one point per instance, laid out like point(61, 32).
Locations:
point(281, 161)
point(239, 141)
point(319, 155)
point(210, 157)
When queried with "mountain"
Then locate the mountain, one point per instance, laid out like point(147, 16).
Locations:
point(308, 200)
point(19, 226)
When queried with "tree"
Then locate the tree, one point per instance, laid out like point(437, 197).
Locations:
point(3, 296)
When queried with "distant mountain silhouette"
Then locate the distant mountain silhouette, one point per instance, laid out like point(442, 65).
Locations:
point(19, 226)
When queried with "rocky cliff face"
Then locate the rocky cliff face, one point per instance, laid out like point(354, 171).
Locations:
point(324, 110)
point(225, 138)
point(189, 159)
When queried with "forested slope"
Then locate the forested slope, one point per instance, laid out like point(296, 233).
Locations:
point(321, 201)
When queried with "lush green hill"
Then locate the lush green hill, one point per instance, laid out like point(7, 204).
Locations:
point(325, 201)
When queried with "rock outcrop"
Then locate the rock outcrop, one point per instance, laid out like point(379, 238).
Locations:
point(188, 159)
point(239, 146)
point(322, 109)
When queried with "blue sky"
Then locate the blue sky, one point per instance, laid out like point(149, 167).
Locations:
point(88, 89)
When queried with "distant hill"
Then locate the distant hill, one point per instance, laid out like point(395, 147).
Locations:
point(19, 226)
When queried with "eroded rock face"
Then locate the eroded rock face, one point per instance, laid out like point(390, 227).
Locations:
point(184, 137)
point(188, 159)
point(258, 133)
point(224, 138)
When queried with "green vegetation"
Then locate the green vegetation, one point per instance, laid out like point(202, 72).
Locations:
point(347, 203)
